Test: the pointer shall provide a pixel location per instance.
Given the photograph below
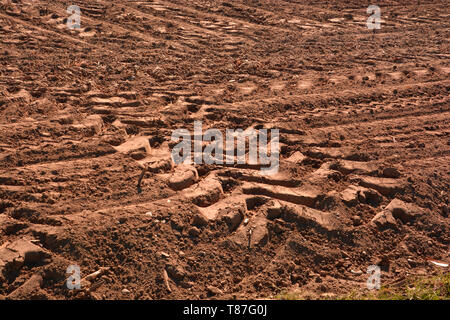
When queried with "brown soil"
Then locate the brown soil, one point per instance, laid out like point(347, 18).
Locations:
point(364, 132)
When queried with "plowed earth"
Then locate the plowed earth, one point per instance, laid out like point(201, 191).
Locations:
point(364, 135)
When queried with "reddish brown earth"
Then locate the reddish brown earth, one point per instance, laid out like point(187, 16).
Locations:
point(364, 132)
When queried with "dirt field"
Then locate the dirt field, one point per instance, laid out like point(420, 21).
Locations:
point(364, 120)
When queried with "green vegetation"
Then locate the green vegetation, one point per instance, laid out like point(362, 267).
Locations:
point(413, 288)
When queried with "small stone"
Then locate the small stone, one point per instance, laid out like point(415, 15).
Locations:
point(163, 255)
point(186, 284)
point(296, 157)
point(126, 291)
point(356, 220)
point(214, 291)
point(356, 272)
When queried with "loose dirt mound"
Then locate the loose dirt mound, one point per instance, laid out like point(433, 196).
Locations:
point(364, 136)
